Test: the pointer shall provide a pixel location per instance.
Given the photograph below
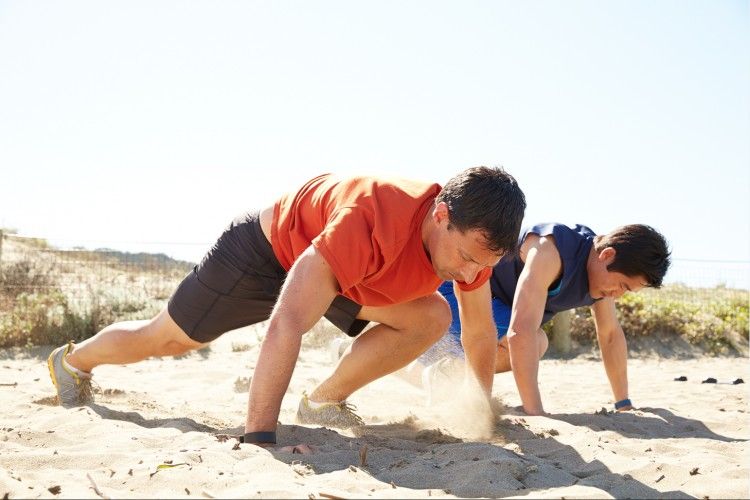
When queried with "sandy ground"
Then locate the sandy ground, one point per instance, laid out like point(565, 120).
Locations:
point(159, 429)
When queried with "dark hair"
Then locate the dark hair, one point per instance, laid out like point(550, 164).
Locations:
point(641, 251)
point(487, 199)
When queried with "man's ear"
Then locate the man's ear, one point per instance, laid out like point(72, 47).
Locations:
point(607, 256)
point(440, 212)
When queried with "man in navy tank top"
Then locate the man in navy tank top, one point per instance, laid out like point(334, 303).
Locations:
point(556, 268)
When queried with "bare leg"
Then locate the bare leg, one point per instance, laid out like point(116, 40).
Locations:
point(502, 358)
point(131, 341)
point(404, 332)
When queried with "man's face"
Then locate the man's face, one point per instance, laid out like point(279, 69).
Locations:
point(456, 255)
point(604, 283)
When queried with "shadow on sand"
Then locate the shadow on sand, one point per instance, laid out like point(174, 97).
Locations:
point(645, 423)
point(183, 424)
point(407, 455)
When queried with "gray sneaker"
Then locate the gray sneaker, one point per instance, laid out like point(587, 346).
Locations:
point(73, 389)
point(339, 415)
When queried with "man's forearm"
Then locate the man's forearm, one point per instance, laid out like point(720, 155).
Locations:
point(278, 355)
point(480, 360)
point(524, 360)
point(615, 358)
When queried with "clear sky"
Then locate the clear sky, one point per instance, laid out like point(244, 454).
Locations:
point(136, 124)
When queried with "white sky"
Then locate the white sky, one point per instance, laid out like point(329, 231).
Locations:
point(136, 124)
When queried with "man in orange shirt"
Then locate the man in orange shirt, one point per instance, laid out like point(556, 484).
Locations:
point(353, 250)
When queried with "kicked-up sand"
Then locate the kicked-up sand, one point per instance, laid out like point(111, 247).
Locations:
point(167, 428)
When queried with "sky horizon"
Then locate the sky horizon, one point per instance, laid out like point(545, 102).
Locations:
point(153, 124)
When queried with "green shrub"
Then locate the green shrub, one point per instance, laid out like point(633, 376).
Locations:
point(709, 318)
point(48, 301)
point(49, 318)
point(34, 315)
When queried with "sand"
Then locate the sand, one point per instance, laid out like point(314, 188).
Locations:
point(165, 427)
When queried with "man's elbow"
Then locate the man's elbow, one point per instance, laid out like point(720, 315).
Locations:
point(516, 336)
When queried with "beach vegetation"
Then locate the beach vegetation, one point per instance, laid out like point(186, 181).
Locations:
point(48, 297)
point(713, 319)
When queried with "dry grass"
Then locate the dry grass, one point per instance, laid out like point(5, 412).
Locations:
point(49, 296)
point(714, 319)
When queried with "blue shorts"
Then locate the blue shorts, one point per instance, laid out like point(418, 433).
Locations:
point(450, 344)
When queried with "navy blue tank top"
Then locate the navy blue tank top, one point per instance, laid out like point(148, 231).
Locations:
point(571, 289)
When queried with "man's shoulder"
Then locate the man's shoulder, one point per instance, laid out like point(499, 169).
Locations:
point(389, 197)
point(374, 185)
point(546, 264)
point(394, 185)
point(564, 238)
point(559, 229)
point(545, 246)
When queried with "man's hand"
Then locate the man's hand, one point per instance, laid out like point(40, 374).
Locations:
point(533, 411)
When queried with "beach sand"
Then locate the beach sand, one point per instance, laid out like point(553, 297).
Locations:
point(166, 428)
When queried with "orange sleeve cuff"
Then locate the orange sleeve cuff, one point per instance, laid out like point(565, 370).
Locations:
point(481, 279)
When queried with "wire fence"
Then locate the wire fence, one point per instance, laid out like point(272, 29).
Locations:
point(31, 265)
point(114, 285)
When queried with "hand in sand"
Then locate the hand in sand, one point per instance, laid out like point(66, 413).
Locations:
point(534, 411)
point(520, 410)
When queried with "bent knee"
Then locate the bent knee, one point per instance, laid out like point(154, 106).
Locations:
point(438, 320)
point(175, 348)
point(165, 337)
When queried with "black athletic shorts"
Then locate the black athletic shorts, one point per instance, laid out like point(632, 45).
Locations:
point(237, 283)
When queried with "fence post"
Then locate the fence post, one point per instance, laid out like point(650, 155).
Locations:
point(561, 331)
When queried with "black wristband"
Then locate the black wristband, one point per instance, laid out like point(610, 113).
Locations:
point(258, 437)
point(623, 403)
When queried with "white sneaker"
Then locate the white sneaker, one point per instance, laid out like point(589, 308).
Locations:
point(336, 349)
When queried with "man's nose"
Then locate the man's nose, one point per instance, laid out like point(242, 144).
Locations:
point(469, 272)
